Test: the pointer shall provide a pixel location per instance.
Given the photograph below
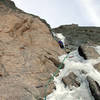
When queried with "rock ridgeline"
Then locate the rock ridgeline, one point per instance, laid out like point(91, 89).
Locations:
point(76, 35)
point(28, 54)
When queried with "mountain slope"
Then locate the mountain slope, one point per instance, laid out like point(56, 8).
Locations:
point(76, 35)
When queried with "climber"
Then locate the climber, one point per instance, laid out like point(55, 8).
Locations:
point(61, 44)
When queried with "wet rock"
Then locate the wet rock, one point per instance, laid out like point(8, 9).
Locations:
point(94, 88)
point(88, 52)
point(71, 80)
point(81, 53)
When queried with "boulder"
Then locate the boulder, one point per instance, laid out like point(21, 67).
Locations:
point(71, 80)
point(94, 88)
point(97, 67)
point(28, 54)
point(88, 52)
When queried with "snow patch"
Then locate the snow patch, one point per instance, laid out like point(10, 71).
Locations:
point(97, 48)
point(76, 64)
point(61, 37)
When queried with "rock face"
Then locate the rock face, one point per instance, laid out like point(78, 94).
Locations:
point(94, 87)
point(75, 35)
point(26, 52)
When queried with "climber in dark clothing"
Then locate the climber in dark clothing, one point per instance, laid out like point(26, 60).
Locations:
point(61, 44)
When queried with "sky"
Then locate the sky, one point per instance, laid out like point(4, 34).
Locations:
point(63, 12)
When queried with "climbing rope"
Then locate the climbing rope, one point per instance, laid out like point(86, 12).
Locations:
point(52, 77)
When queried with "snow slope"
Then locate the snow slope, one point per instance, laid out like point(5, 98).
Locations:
point(75, 63)
point(59, 36)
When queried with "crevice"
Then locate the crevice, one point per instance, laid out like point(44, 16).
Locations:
point(81, 53)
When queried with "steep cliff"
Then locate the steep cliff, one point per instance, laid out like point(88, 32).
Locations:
point(28, 54)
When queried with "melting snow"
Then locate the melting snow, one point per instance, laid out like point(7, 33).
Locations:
point(61, 37)
point(75, 63)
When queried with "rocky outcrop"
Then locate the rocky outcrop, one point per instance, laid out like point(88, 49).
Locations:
point(94, 88)
point(71, 80)
point(76, 35)
point(88, 52)
point(28, 54)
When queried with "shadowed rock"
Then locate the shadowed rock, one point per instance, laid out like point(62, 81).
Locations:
point(94, 88)
point(88, 52)
point(81, 53)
